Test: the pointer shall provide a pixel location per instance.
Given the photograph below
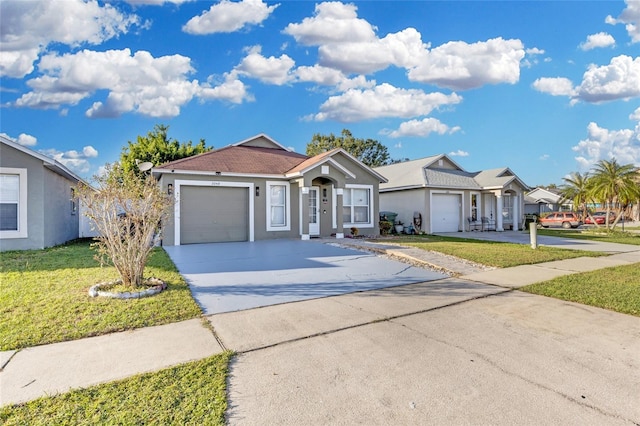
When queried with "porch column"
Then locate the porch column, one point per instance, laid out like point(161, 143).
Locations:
point(339, 218)
point(516, 212)
point(304, 213)
point(499, 225)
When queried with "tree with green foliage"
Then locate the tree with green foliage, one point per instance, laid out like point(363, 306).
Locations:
point(369, 151)
point(576, 188)
point(157, 148)
point(614, 183)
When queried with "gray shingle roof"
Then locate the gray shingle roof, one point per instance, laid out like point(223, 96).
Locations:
point(427, 172)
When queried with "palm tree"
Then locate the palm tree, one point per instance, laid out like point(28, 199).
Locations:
point(576, 188)
point(613, 182)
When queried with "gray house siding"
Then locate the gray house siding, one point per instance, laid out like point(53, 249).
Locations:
point(259, 200)
point(61, 222)
point(49, 221)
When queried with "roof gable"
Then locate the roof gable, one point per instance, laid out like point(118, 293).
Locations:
point(440, 171)
point(261, 141)
point(47, 162)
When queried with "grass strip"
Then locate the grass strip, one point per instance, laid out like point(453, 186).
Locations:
point(188, 394)
point(616, 288)
point(595, 234)
point(43, 297)
point(491, 253)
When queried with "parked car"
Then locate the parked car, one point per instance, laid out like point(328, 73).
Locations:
point(565, 219)
point(600, 218)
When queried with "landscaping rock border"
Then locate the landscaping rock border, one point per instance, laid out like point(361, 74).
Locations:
point(156, 286)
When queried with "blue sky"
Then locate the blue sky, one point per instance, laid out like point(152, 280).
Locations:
point(545, 88)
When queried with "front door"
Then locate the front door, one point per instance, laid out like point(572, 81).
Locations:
point(314, 211)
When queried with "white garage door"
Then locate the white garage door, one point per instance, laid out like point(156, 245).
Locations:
point(445, 213)
point(212, 215)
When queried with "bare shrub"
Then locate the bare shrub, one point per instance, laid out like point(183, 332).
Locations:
point(127, 212)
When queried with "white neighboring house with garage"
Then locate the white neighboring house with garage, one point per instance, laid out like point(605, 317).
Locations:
point(257, 189)
point(446, 198)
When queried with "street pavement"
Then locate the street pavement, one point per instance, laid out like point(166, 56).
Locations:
point(468, 349)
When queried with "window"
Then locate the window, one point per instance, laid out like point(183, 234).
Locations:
point(357, 205)
point(13, 203)
point(474, 207)
point(507, 208)
point(74, 202)
point(278, 212)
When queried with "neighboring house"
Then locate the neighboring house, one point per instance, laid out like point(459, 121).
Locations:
point(257, 189)
point(438, 195)
point(540, 200)
point(37, 204)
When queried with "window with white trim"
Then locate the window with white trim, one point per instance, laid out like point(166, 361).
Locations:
point(13, 203)
point(278, 211)
point(357, 205)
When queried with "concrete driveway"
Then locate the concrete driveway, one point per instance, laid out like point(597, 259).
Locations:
point(227, 277)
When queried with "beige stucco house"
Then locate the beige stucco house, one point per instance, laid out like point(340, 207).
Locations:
point(436, 195)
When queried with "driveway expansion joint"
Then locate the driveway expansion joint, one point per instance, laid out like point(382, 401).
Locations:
point(374, 321)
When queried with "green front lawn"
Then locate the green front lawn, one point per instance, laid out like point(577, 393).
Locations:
point(43, 297)
point(189, 394)
point(616, 289)
point(595, 234)
point(490, 253)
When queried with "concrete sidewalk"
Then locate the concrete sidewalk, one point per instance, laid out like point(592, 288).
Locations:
point(59, 367)
point(49, 369)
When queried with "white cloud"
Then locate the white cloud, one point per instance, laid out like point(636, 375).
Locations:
point(635, 115)
point(402, 49)
point(601, 39)
point(557, 86)
point(326, 76)
point(155, 2)
point(459, 153)
point(618, 80)
point(28, 27)
point(544, 157)
point(334, 22)
point(270, 70)
point(74, 160)
point(228, 16)
point(602, 143)
point(230, 89)
point(598, 40)
point(461, 66)
point(384, 100)
point(423, 128)
point(22, 139)
point(151, 86)
point(631, 18)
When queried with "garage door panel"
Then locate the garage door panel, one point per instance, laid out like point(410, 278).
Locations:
point(445, 212)
point(209, 215)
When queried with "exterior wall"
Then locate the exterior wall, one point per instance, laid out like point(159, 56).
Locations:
point(61, 224)
point(327, 177)
point(406, 203)
point(260, 205)
point(10, 157)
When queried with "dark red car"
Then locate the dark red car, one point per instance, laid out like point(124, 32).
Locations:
point(564, 219)
point(600, 218)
